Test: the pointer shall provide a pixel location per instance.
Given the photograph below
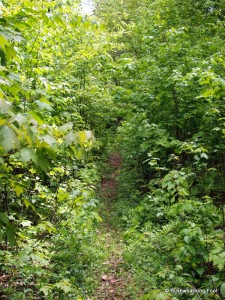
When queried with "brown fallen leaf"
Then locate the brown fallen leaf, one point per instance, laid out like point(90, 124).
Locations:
point(4, 278)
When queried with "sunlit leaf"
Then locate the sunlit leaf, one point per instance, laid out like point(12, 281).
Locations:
point(8, 138)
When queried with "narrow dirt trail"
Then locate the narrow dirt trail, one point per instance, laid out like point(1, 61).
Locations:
point(115, 279)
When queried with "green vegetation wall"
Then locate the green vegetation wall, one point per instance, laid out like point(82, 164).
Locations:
point(50, 94)
point(169, 70)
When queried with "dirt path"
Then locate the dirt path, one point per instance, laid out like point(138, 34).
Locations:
point(109, 183)
point(114, 279)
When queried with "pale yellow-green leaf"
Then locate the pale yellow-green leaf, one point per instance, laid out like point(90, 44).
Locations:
point(2, 121)
point(27, 203)
point(45, 290)
point(10, 52)
point(18, 189)
point(64, 285)
point(208, 93)
point(3, 41)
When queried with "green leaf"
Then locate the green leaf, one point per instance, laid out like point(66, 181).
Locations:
point(10, 52)
point(44, 105)
point(222, 289)
point(70, 138)
point(208, 93)
point(20, 119)
point(8, 138)
point(215, 278)
point(10, 233)
point(85, 135)
point(42, 163)
point(4, 218)
point(19, 189)
point(203, 155)
point(191, 249)
point(45, 290)
point(15, 77)
point(48, 139)
point(64, 285)
point(187, 239)
point(27, 203)
point(183, 192)
point(51, 153)
point(37, 117)
point(66, 127)
point(200, 271)
point(218, 259)
point(4, 81)
point(27, 155)
point(3, 41)
point(82, 136)
point(7, 34)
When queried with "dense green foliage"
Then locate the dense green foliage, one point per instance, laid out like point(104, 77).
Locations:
point(146, 78)
point(48, 174)
point(170, 72)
